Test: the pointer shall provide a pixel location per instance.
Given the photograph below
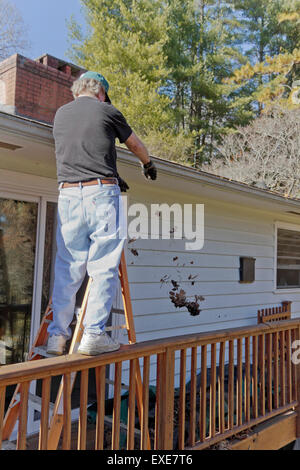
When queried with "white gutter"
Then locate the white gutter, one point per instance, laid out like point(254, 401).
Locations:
point(190, 174)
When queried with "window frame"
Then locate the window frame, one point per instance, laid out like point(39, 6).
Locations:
point(32, 188)
point(287, 226)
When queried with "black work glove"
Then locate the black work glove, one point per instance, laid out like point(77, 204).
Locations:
point(123, 185)
point(149, 170)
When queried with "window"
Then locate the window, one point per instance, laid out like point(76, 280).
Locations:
point(288, 259)
point(18, 226)
point(49, 254)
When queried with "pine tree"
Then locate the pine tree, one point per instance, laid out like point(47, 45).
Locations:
point(273, 51)
point(125, 44)
point(201, 52)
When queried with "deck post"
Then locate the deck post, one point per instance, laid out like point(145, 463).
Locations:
point(297, 368)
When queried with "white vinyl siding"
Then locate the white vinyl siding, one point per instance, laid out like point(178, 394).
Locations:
point(214, 271)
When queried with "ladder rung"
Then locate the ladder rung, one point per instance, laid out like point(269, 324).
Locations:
point(7, 445)
point(42, 351)
point(116, 327)
point(111, 382)
point(122, 425)
point(119, 311)
point(36, 400)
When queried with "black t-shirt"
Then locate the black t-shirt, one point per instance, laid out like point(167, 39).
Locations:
point(84, 132)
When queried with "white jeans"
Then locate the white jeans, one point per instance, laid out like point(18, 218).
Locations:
point(90, 237)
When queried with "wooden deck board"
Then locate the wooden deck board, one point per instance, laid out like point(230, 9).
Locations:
point(271, 435)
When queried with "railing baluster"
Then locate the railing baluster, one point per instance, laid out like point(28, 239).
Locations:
point(247, 379)
point(182, 395)
point(168, 365)
point(158, 403)
point(131, 405)
point(145, 408)
point(239, 393)
point(116, 407)
point(203, 399)
point(276, 370)
point(282, 368)
point(22, 430)
point(269, 354)
point(221, 388)
point(262, 392)
point(231, 385)
point(193, 396)
point(288, 366)
point(294, 370)
point(2, 404)
point(100, 391)
point(255, 376)
point(43, 437)
point(66, 444)
point(213, 391)
point(84, 381)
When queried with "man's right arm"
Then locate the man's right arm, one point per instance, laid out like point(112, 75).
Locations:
point(136, 146)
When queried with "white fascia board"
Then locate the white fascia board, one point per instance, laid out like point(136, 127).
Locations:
point(26, 128)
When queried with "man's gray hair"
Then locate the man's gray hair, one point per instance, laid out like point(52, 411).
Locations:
point(86, 85)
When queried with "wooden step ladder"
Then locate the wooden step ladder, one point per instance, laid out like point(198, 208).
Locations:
point(38, 351)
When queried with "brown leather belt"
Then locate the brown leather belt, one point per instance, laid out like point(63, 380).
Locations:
point(90, 183)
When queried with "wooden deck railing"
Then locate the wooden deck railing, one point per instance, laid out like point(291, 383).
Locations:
point(226, 381)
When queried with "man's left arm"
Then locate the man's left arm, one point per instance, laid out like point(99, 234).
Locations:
point(133, 143)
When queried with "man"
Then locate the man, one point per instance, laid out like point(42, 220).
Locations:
point(89, 232)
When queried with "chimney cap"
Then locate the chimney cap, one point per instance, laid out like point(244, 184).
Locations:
point(59, 63)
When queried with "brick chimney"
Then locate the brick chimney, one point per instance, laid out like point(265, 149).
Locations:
point(36, 88)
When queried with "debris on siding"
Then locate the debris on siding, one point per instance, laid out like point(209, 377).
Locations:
point(192, 278)
point(133, 250)
point(178, 298)
point(164, 279)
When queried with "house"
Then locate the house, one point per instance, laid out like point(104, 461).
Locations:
point(242, 224)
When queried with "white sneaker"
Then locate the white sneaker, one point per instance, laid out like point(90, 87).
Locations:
point(92, 344)
point(56, 345)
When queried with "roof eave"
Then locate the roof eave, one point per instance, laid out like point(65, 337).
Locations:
point(42, 132)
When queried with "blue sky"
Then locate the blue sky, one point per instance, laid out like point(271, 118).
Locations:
point(46, 25)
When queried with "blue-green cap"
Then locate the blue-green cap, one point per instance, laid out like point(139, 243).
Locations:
point(96, 76)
